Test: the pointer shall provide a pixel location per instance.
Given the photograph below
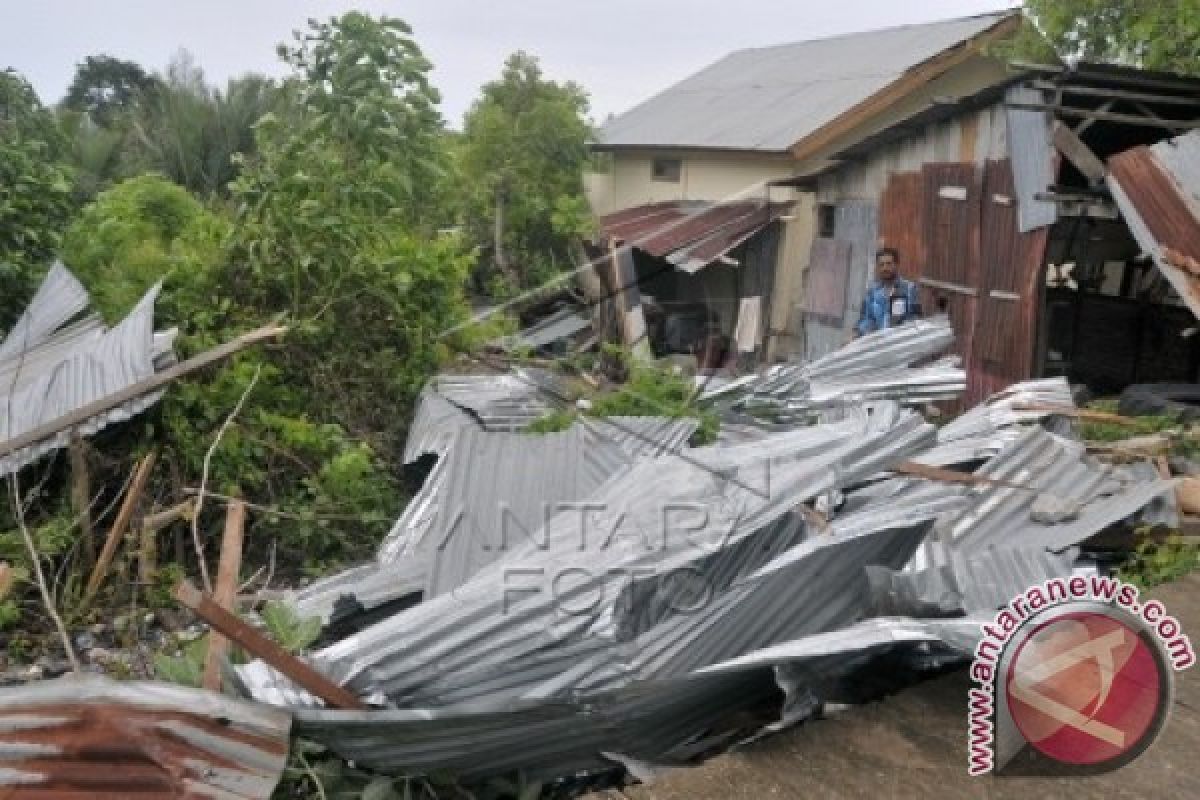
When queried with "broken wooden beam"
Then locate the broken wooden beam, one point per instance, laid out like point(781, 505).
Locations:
point(81, 496)
point(1078, 153)
point(153, 383)
point(225, 592)
point(261, 647)
point(941, 475)
point(1084, 414)
point(137, 486)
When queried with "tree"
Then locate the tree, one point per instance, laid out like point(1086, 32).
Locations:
point(35, 192)
point(194, 133)
point(335, 228)
point(522, 156)
point(1154, 35)
point(106, 89)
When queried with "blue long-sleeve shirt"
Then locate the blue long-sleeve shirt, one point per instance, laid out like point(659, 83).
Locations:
point(877, 306)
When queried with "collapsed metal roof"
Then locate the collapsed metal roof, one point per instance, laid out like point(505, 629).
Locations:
point(90, 736)
point(768, 99)
point(690, 235)
point(1158, 191)
point(57, 358)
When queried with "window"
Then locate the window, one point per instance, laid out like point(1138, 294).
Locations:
point(826, 219)
point(666, 169)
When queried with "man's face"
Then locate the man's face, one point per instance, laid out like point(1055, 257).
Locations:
point(886, 268)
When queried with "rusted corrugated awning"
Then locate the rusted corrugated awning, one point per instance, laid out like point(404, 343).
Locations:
point(690, 236)
point(1158, 191)
point(91, 737)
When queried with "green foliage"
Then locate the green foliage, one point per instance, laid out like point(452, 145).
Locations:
point(35, 193)
point(288, 629)
point(194, 133)
point(10, 614)
point(186, 668)
point(144, 230)
point(650, 391)
point(1136, 426)
point(1155, 563)
point(1154, 35)
point(522, 157)
point(332, 227)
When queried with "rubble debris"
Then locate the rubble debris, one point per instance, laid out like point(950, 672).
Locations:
point(883, 365)
point(90, 736)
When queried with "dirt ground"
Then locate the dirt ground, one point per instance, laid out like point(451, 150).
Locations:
point(913, 744)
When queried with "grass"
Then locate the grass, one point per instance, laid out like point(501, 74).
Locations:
point(1155, 563)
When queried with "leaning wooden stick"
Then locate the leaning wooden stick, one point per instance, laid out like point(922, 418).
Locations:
point(226, 590)
point(259, 646)
point(124, 516)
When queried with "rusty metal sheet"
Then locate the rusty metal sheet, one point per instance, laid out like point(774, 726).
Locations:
point(902, 221)
point(91, 737)
point(952, 194)
point(1158, 192)
point(1010, 269)
point(691, 236)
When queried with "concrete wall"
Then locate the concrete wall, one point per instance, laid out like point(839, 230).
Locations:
point(704, 176)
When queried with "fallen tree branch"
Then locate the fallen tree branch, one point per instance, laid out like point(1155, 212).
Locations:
point(39, 575)
point(196, 541)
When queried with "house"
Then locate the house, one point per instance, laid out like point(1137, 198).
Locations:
point(701, 176)
point(1002, 186)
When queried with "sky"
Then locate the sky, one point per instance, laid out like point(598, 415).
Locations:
point(621, 51)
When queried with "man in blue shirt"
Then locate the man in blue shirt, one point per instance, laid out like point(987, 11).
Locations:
point(891, 300)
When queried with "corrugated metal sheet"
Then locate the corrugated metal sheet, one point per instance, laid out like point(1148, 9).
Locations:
point(492, 491)
point(689, 235)
point(88, 736)
point(508, 401)
point(448, 649)
point(1009, 299)
point(1033, 159)
point(878, 366)
point(1158, 191)
point(50, 366)
point(902, 220)
point(770, 98)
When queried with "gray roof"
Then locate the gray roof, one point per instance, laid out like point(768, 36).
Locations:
point(769, 98)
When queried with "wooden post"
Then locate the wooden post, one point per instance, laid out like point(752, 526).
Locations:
point(81, 496)
point(137, 486)
point(225, 592)
point(148, 538)
point(260, 646)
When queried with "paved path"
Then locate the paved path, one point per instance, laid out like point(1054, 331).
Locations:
point(913, 745)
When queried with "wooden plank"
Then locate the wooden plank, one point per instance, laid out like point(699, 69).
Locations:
point(941, 475)
point(1078, 153)
point(1108, 116)
point(154, 382)
point(1120, 94)
point(81, 496)
point(1076, 413)
point(137, 486)
point(259, 646)
point(225, 592)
